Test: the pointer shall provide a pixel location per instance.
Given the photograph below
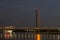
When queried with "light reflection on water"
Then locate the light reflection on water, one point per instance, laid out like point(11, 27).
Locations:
point(20, 36)
point(30, 36)
point(38, 36)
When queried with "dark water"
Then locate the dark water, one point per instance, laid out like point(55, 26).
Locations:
point(20, 36)
point(30, 36)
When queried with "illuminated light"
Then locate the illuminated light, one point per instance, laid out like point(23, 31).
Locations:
point(27, 30)
point(38, 37)
point(10, 31)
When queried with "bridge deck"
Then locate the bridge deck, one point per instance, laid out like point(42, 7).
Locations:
point(49, 31)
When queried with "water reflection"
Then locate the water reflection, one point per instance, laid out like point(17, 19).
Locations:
point(38, 36)
point(30, 36)
point(22, 36)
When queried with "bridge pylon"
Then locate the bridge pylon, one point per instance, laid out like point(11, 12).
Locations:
point(37, 11)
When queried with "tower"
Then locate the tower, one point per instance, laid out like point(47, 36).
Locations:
point(37, 11)
point(38, 35)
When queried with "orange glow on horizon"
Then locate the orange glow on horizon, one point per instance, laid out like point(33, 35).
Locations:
point(38, 37)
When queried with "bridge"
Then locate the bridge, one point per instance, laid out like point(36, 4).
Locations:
point(37, 30)
point(33, 29)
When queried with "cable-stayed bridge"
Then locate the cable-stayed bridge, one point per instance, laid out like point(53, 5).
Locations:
point(10, 30)
point(32, 29)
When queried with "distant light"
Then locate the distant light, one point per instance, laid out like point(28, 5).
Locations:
point(10, 31)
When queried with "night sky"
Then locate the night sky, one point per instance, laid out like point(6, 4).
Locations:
point(22, 12)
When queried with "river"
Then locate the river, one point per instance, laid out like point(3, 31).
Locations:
point(29, 36)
